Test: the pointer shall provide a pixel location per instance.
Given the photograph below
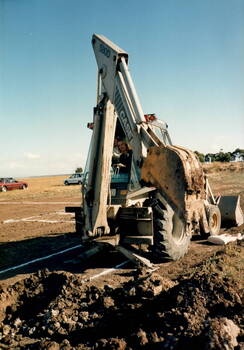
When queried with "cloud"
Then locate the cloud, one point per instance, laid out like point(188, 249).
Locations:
point(15, 165)
point(30, 155)
point(34, 164)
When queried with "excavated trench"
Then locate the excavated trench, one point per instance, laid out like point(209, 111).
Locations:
point(201, 310)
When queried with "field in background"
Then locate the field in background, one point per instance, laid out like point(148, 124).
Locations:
point(226, 178)
point(218, 167)
point(44, 188)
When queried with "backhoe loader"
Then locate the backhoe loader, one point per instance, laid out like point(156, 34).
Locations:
point(161, 196)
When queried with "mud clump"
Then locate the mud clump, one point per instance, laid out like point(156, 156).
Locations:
point(57, 311)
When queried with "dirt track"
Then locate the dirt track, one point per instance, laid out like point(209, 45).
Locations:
point(170, 309)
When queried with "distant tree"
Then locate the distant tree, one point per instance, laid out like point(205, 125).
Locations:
point(79, 170)
point(200, 156)
point(223, 157)
point(228, 157)
point(211, 156)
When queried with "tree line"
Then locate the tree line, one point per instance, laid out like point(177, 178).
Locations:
point(220, 156)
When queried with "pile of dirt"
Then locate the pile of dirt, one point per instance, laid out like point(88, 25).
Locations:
point(59, 311)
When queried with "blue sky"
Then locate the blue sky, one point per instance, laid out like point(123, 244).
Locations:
point(186, 58)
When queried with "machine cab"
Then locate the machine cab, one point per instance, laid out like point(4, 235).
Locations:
point(125, 172)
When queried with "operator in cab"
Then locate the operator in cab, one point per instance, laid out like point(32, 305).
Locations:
point(124, 162)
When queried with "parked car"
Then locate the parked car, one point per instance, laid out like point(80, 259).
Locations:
point(8, 183)
point(74, 179)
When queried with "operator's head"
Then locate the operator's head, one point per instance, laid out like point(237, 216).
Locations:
point(123, 147)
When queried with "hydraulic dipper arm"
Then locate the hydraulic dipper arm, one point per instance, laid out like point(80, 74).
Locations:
point(116, 82)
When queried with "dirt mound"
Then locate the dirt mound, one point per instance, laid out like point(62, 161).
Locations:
point(58, 311)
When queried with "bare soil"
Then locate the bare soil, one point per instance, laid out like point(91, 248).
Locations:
point(194, 303)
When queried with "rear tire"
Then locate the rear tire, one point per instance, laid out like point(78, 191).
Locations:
point(24, 187)
point(171, 241)
point(4, 189)
point(66, 183)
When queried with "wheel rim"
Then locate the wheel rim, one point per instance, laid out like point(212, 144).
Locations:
point(178, 230)
point(214, 221)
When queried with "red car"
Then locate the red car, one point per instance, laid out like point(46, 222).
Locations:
point(8, 183)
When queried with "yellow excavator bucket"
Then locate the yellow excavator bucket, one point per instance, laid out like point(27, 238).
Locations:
point(177, 172)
